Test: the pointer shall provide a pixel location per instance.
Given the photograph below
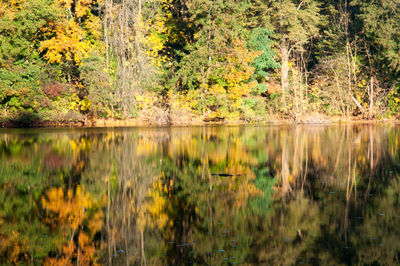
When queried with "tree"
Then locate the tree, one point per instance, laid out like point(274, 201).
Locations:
point(260, 40)
point(134, 32)
point(296, 23)
point(381, 23)
point(22, 71)
point(216, 62)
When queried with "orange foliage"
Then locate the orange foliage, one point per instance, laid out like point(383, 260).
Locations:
point(70, 210)
point(67, 252)
point(10, 247)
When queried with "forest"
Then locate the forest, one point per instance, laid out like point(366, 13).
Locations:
point(186, 61)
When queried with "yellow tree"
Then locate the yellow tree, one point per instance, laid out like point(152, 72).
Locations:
point(66, 45)
point(70, 212)
point(69, 39)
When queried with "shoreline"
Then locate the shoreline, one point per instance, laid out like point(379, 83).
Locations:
point(111, 123)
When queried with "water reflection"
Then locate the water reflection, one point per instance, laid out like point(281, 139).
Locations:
point(203, 195)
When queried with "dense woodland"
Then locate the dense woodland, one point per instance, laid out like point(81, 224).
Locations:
point(164, 61)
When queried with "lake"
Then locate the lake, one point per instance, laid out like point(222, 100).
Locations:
point(288, 195)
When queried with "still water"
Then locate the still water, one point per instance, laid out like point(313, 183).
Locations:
point(312, 195)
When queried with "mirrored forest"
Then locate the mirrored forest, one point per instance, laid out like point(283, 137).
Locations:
point(201, 196)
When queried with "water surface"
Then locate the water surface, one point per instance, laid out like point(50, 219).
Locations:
point(312, 195)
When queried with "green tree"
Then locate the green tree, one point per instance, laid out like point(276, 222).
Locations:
point(21, 68)
point(381, 24)
point(260, 40)
point(296, 23)
point(217, 62)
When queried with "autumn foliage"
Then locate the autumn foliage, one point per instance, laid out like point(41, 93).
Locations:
point(197, 60)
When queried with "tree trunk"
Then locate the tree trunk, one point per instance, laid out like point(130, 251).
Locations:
point(371, 97)
point(285, 172)
point(284, 71)
point(106, 31)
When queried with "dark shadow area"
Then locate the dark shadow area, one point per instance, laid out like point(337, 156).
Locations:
point(31, 120)
point(22, 119)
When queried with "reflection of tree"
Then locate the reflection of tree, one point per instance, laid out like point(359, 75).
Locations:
point(78, 217)
point(281, 195)
point(204, 187)
point(131, 176)
point(33, 165)
point(340, 185)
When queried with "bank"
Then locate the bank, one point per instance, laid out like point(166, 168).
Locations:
point(79, 122)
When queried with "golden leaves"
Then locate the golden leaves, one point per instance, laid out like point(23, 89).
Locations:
point(65, 4)
point(84, 253)
point(238, 71)
point(68, 44)
point(71, 38)
point(93, 26)
point(96, 223)
point(82, 7)
point(11, 246)
point(69, 209)
point(155, 40)
point(67, 251)
point(146, 100)
point(152, 213)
